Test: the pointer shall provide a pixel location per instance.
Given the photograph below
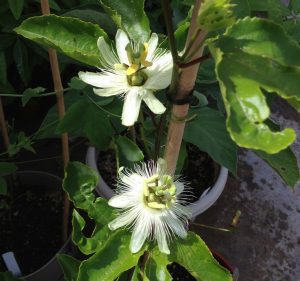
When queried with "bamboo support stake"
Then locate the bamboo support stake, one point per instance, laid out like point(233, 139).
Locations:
point(186, 82)
point(58, 88)
point(3, 126)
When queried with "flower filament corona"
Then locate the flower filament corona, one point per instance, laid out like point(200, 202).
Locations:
point(151, 204)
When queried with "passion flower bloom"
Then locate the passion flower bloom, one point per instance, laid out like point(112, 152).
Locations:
point(135, 71)
point(150, 205)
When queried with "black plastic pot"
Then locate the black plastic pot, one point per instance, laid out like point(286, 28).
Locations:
point(51, 271)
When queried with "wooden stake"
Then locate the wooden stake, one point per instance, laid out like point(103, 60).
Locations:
point(186, 82)
point(58, 88)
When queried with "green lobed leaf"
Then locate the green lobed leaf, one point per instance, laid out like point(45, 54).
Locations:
point(206, 74)
point(101, 232)
point(294, 103)
point(241, 8)
point(283, 162)
point(108, 263)
point(256, 54)
point(137, 274)
point(69, 265)
point(85, 118)
point(3, 186)
point(77, 84)
point(7, 168)
point(16, 7)
point(130, 16)
point(93, 16)
point(182, 30)
point(48, 127)
point(156, 266)
point(22, 142)
point(129, 149)
point(194, 255)
point(71, 36)
point(208, 132)
point(79, 182)
point(31, 93)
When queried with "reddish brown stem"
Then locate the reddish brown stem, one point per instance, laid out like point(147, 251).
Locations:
point(3, 126)
point(195, 61)
point(58, 88)
point(185, 84)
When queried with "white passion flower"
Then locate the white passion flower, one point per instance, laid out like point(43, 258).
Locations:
point(150, 205)
point(135, 71)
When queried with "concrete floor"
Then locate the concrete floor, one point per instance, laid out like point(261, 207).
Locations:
point(265, 246)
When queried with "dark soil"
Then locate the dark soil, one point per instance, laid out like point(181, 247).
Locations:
point(179, 273)
point(200, 170)
point(31, 228)
point(107, 167)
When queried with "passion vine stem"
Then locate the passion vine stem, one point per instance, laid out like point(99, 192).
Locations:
point(182, 85)
point(58, 88)
point(39, 96)
point(3, 126)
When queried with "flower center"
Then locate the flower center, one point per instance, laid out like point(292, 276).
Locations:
point(137, 62)
point(137, 79)
point(159, 192)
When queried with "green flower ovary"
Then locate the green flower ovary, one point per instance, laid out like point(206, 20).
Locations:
point(159, 192)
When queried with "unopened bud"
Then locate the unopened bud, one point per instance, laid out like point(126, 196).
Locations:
point(215, 14)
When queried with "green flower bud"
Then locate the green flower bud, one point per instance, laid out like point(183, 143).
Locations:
point(215, 14)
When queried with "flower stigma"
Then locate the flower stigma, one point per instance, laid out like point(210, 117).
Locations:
point(137, 60)
point(159, 192)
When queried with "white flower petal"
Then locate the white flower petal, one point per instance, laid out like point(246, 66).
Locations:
point(125, 219)
point(140, 233)
point(152, 44)
point(134, 180)
point(104, 79)
point(107, 57)
point(120, 201)
point(153, 103)
point(131, 107)
point(176, 225)
point(161, 237)
point(107, 92)
point(121, 43)
point(160, 73)
point(179, 187)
